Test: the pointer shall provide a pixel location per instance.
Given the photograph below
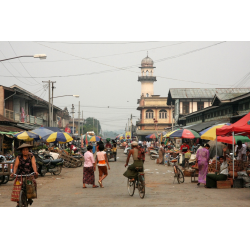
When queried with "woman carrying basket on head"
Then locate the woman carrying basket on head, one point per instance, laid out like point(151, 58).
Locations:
point(25, 164)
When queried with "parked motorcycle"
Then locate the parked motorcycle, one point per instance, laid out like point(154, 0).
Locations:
point(5, 178)
point(154, 154)
point(48, 165)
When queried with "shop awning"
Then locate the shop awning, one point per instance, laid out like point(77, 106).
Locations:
point(9, 130)
point(201, 126)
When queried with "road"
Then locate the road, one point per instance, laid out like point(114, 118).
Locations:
point(66, 190)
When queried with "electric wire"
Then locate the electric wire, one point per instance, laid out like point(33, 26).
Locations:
point(23, 65)
point(101, 43)
point(125, 53)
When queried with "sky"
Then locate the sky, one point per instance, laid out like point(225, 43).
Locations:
point(105, 74)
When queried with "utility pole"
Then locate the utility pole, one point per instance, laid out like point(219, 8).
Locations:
point(79, 119)
point(82, 122)
point(131, 126)
point(97, 128)
point(72, 112)
point(93, 124)
point(50, 118)
point(172, 116)
point(52, 111)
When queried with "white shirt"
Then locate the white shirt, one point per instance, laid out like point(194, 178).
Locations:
point(148, 144)
point(224, 168)
point(241, 151)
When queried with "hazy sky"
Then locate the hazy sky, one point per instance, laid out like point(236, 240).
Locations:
point(93, 70)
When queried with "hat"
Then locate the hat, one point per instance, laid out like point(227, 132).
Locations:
point(134, 143)
point(25, 145)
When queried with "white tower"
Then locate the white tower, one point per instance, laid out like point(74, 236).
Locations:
point(147, 79)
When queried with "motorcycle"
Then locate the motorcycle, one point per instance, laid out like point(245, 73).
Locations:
point(126, 150)
point(5, 178)
point(154, 154)
point(48, 165)
point(110, 154)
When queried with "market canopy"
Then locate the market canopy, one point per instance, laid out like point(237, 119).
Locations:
point(152, 136)
point(229, 139)
point(59, 137)
point(42, 131)
point(201, 126)
point(169, 133)
point(210, 133)
point(185, 134)
point(27, 136)
point(54, 129)
point(240, 127)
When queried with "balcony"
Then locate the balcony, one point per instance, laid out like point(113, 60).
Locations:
point(17, 117)
point(146, 78)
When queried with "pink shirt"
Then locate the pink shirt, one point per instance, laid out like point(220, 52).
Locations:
point(88, 159)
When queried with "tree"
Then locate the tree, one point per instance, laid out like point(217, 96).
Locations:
point(88, 126)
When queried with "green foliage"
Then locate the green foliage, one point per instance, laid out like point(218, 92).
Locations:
point(88, 126)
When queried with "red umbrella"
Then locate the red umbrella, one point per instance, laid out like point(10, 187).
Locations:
point(240, 127)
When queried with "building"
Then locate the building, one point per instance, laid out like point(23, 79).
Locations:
point(227, 107)
point(155, 114)
point(186, 101)
point(27, 110)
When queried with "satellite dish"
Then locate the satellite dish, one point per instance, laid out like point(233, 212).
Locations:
point(248, 123)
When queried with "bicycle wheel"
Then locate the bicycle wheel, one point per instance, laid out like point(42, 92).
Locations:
point(180, 176)
point(2, 179)
point(6, 179)
point(131, 187)
point(141, 186)
point(23, 199)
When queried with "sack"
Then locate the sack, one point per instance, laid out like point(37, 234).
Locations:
point(141, 154)
point(31, 188)
point(16, 189)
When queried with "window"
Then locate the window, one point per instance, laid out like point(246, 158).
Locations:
point(163, 114)
point(200, 106)
point(246, 105)
point(147, 73)
point(147, 95)
point(149, 114)
point(240, 107)
point(185, 108)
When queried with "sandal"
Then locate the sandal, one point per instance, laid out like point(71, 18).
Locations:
point(95, 186)
point(198, 184)
point(100, 184)
point(84, 187)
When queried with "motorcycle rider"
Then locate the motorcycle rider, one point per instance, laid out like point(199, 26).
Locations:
point(108, 144)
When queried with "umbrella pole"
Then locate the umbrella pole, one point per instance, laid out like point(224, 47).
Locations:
point(216, 152)
point(233, 154)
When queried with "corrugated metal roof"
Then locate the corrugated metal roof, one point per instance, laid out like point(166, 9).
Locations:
point(4, 128)
point(228, 96)
point(4, 119)
point(178, 93)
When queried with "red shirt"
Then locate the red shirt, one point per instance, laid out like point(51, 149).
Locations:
point(185, 148)
point(108, 145)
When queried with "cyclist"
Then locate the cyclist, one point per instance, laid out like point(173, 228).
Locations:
point(25, 164)
point(131, 172)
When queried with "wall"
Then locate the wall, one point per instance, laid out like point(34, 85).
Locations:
point(147, 87)
point(1, 100)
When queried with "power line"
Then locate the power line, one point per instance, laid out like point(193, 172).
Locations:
point(23, 65)
point(17, 70)
point(101, 43)
point(131, 52)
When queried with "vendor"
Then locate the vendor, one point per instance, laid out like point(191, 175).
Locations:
point(211, 180)
point(184, 148)
point(240, 150)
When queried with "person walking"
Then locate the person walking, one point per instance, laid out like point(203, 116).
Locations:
point(89, 168)
point(160, 160)
point(202, 158)
point(25, 164)
point(102, 162)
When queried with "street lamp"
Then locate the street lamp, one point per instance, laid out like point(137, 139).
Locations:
point(77, 96)
point(41, 56)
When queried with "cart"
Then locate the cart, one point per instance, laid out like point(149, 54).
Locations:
point(71, 161)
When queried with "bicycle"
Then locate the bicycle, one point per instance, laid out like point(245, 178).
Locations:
point(23, 201)
point(178, 174)
point(139, 183)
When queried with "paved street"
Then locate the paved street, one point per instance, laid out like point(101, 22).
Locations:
point(66, 190)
